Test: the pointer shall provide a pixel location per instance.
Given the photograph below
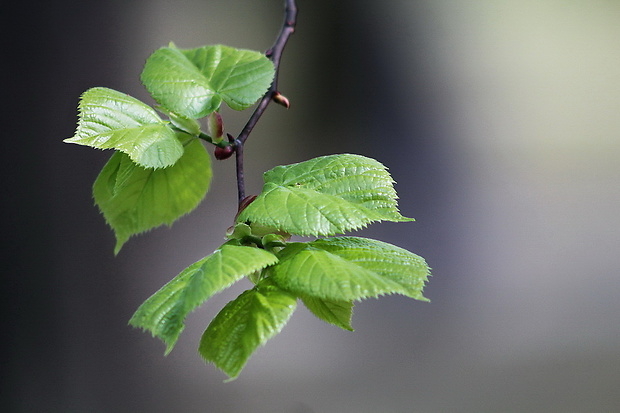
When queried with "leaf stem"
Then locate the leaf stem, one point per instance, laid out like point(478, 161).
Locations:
point(274, 54)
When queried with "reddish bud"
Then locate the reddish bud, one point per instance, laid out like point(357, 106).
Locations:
point(244, 203)
point(280, 99)
point(223, 153)
point(215, 126)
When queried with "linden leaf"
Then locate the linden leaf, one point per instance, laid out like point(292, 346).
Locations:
point(349, 268)
point(337, 313)
point(404, 267)
point(245, 324)
point(324, 196)
point(163, 314)
point(113, 120)
point(135, 199)
point(194, 82)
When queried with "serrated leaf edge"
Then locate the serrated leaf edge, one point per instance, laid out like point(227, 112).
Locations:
point(82, 114)
point(173, 297)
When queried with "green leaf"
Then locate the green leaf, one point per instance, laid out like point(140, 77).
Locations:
point(244, 324)
point(164, 312)
point(135, 199)
point(349, 268)
point(304, 269)
point(194, 82)
point(389, 261)
point(337, 313)
point(324, 196)
point(113, 120)
point(187, 125)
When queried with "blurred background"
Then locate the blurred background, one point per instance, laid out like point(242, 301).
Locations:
point(498, 119)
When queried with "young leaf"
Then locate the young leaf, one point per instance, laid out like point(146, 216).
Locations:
point(194, 82)
point(215, 126)
point(304, 269)
point(337, 313)
point(164, 312)
point(389, 261)
point(114, 120)
point(135, 199)
point(324, 196)
point(349, 268)
point(187, 125)
point(244, 324)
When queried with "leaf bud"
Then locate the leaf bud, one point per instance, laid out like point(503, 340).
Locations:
point(215, 126)
point(223, 153)
point(280, 99)
point(244, 203)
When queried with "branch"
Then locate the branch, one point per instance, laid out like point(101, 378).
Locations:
point(274, 54)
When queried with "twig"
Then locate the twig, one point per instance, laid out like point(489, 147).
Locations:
point(274, 54)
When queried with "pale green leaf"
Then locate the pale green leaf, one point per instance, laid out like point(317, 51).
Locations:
point(194, 82)
point(187, 125)
point(163, 314)
point(337, 313)
point(389, 261)
point(324, 196)
point(113, 120)
point(304, 269)
point(244, 324)
point(349, 268)
point(135, 199)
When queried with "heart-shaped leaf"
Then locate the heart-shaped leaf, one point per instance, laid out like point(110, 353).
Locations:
point(337, 313)
point(324, 196)
point(135, 199)
point(164, 312)
point(389, 261)
point(113, 120)
point(194, 82)
point(304, 269)
point(244, 324)
point(349, 268)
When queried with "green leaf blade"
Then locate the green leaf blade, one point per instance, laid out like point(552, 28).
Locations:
point(194, 82)
point(338, 313)
point(163, 314)
point(349, 269)
point(404, 267)
point(305, 270)
point(245, 324)
point(135, 199)
point(113, 120)
point(325, 196)
point(187, 125)
point(306, 212)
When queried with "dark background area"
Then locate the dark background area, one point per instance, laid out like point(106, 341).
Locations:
point(497, 119)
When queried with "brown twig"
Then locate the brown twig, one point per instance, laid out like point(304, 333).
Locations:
point(274, 54)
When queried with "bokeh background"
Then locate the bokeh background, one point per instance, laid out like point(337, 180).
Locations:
point(498, 119)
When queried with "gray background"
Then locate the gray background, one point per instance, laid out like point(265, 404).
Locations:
point(498, 119)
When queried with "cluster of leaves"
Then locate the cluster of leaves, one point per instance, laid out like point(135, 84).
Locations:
point(161, 171)
point(323, 196)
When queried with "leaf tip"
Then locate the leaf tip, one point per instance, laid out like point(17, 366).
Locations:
point(229, 379)
point(169, 348)
point(119, 244)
